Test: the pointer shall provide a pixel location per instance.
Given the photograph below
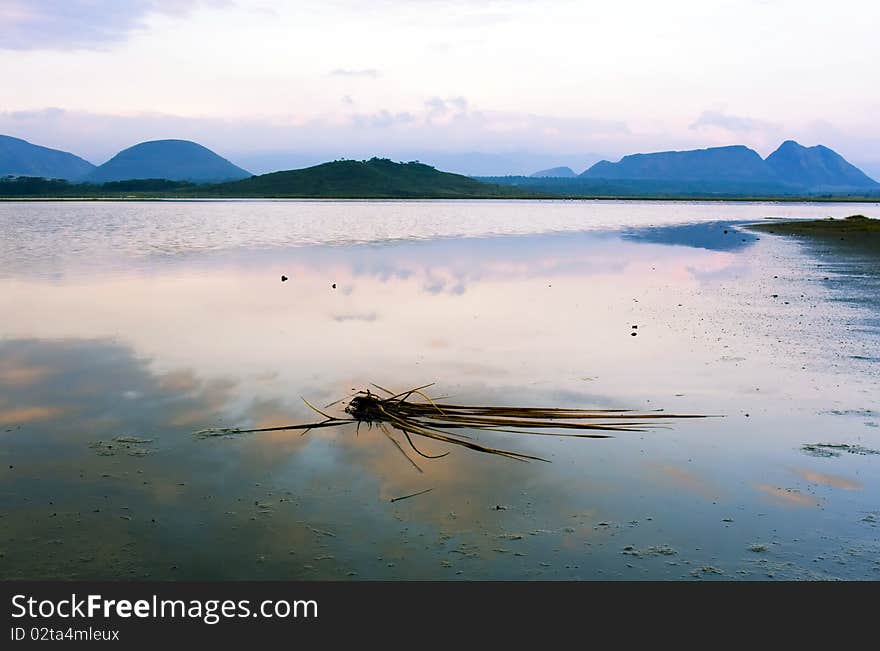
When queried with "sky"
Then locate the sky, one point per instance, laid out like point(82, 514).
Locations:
point(480, 87)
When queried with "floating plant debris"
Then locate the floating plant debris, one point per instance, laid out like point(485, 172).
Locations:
point(441, 421)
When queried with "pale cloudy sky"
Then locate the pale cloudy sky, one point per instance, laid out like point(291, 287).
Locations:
point(467, 84)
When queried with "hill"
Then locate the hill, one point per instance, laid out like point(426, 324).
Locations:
point(374, 178)
point(816, 167)
point(556, 173)
point(20, 158)
point(175, 160)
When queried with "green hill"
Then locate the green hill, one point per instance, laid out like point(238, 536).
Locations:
point(377, 178)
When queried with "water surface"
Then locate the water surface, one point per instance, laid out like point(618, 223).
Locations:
point(151, 320)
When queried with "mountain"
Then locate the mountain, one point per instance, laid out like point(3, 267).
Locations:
point(374, 178)
point(735, 163)
point(816, 167)
point(176, 160)
point(21, 158)
point(556, 173)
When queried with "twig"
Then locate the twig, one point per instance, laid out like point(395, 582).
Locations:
point(406, 497)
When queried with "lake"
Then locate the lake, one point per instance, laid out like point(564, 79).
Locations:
point(128, 326)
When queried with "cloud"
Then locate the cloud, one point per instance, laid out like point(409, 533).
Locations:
point(733, 123)
point(437, 107)
point(48, 113)
point(371, 73)
point(81, 24)
point(383, 119)
point(368, 317)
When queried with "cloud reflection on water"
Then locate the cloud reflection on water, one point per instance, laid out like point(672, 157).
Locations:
point(214, 340)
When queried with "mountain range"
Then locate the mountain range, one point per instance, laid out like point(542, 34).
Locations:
point(792, 166)
point(731, 171)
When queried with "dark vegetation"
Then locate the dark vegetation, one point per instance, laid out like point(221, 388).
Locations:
point(376, 178)
point(365, 182)
point(39, 188)
point(602, 188)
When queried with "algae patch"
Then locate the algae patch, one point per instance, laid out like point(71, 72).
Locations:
point(657, 550)
point(132, 446)
point(829, 450)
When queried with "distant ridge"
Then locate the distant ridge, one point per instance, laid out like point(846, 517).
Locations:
point(735, 163)
point(555, 172)
point(175, 160)
point(816, 167)
point(792, 166)
point(20, 158)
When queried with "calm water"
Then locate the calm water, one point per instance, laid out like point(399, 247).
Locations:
point(155, 319)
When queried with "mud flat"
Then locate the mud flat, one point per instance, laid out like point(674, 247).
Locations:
point(854, 231)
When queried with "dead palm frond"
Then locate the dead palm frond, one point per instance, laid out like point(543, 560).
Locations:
point(443, 422)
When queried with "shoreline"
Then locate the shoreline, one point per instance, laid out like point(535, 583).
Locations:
point(829, 227)
point(854, 234)
point(674, 199)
